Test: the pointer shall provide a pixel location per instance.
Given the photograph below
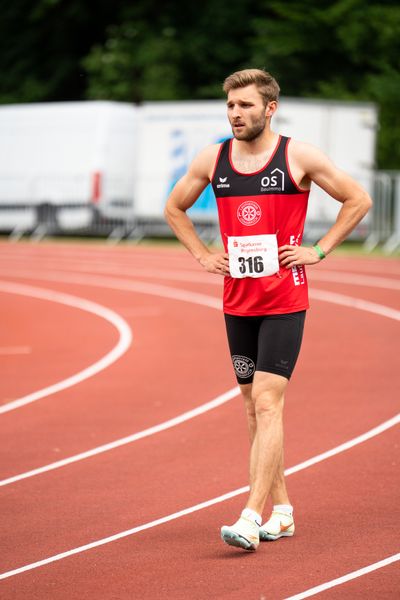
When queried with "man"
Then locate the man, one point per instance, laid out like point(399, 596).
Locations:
point(261, 181)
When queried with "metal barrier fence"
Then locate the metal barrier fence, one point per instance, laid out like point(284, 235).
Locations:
point(119, 221)
point(385, 216)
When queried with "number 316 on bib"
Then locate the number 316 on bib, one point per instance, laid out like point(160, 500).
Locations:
point(253, 256)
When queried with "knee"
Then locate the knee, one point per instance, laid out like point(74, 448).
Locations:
point(249, 406)
point(268, 404)
point(251, 412)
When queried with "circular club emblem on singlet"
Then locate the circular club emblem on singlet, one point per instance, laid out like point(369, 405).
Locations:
point(244, 367)
point(249, 213)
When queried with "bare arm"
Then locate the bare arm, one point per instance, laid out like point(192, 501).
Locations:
point(315, 166)
point(182, 197)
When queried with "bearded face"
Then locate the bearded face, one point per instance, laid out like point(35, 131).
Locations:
point(247, 113)
point(249, 128)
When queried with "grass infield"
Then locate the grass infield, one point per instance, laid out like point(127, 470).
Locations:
point(346, 248)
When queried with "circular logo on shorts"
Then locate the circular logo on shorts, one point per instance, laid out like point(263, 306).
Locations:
point(249, 213)
point(244, 367)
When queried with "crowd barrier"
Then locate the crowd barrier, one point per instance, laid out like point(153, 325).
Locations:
point(120, 222)
point(384, 228)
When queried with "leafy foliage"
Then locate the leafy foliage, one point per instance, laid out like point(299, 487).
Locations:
point(344, 49)
point(68, 50)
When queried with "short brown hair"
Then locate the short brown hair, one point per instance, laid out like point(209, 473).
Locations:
point(265, 83)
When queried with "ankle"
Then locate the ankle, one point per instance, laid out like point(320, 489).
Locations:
point(287, 509)
point(252, 515)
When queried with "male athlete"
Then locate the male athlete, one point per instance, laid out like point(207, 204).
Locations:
point(261, 182)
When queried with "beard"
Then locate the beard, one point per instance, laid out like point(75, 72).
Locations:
point(253, 131)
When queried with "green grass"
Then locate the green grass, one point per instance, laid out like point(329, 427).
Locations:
point(357, 249)
point(350, 248)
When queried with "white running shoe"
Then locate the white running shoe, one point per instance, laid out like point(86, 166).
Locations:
point(279, 525)
point(243, 534)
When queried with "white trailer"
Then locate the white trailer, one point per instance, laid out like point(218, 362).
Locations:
point(67, 162)
point(346, 132)
point(118, 162)
point(171, 133)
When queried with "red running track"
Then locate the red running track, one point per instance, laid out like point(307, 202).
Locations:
point(346, 384)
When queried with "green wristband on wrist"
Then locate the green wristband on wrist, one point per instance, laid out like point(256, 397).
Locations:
point(319, 251)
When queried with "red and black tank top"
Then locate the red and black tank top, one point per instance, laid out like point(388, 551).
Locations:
point(267, 201)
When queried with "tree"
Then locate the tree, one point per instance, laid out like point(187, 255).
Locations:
point(42, 43)
point(343, 49)
point(54, 50)
point(171, 51)
point(338, 49)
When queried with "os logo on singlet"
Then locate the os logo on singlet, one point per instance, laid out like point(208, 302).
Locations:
point(244, 367)
point(249, 213)
point(274, 182)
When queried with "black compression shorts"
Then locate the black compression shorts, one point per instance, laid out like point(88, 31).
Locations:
point(270, 343)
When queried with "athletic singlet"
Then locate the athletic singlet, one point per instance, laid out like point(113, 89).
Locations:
point(252, 207)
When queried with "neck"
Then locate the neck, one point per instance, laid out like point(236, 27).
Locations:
point(249, 157)
point(263, 143)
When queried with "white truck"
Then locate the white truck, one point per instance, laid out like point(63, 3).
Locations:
point(79, 165)
point(66, 164)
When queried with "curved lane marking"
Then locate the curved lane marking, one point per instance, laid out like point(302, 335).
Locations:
point(124, 342)
point(326, 296)
point(354, 279)
point(353, 575)
point(195, 412)
point(335, 264)
point(359, 303)
point(10, 350)
point(124, 285)
point(200, 276)
point(186, 511)
point(193, 297)
point(199, 298)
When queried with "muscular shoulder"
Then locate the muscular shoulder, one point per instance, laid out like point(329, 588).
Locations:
point(307, 158)
point(203, 164)
point(311, 164)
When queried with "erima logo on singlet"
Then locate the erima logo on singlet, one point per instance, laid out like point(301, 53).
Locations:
point(222, 183)
point(273, 182)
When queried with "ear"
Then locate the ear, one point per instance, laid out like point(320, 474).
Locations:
point(271, 108)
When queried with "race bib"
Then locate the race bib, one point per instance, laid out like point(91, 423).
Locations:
point(253, 255)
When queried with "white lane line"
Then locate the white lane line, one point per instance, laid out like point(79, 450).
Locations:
point(353, 575)
point(207, 300)
point(346, 445)
point(198, 276)
point(124, 285)
point(390, 266)
point(191, 414)
point(354, 279)
point(182, 295)
point(122, 534)
point(116, 268)
point(359, 303)
point(10, 350)
point(203, 299)
point(203, 277)
point(368, 267)
point(124, 342)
